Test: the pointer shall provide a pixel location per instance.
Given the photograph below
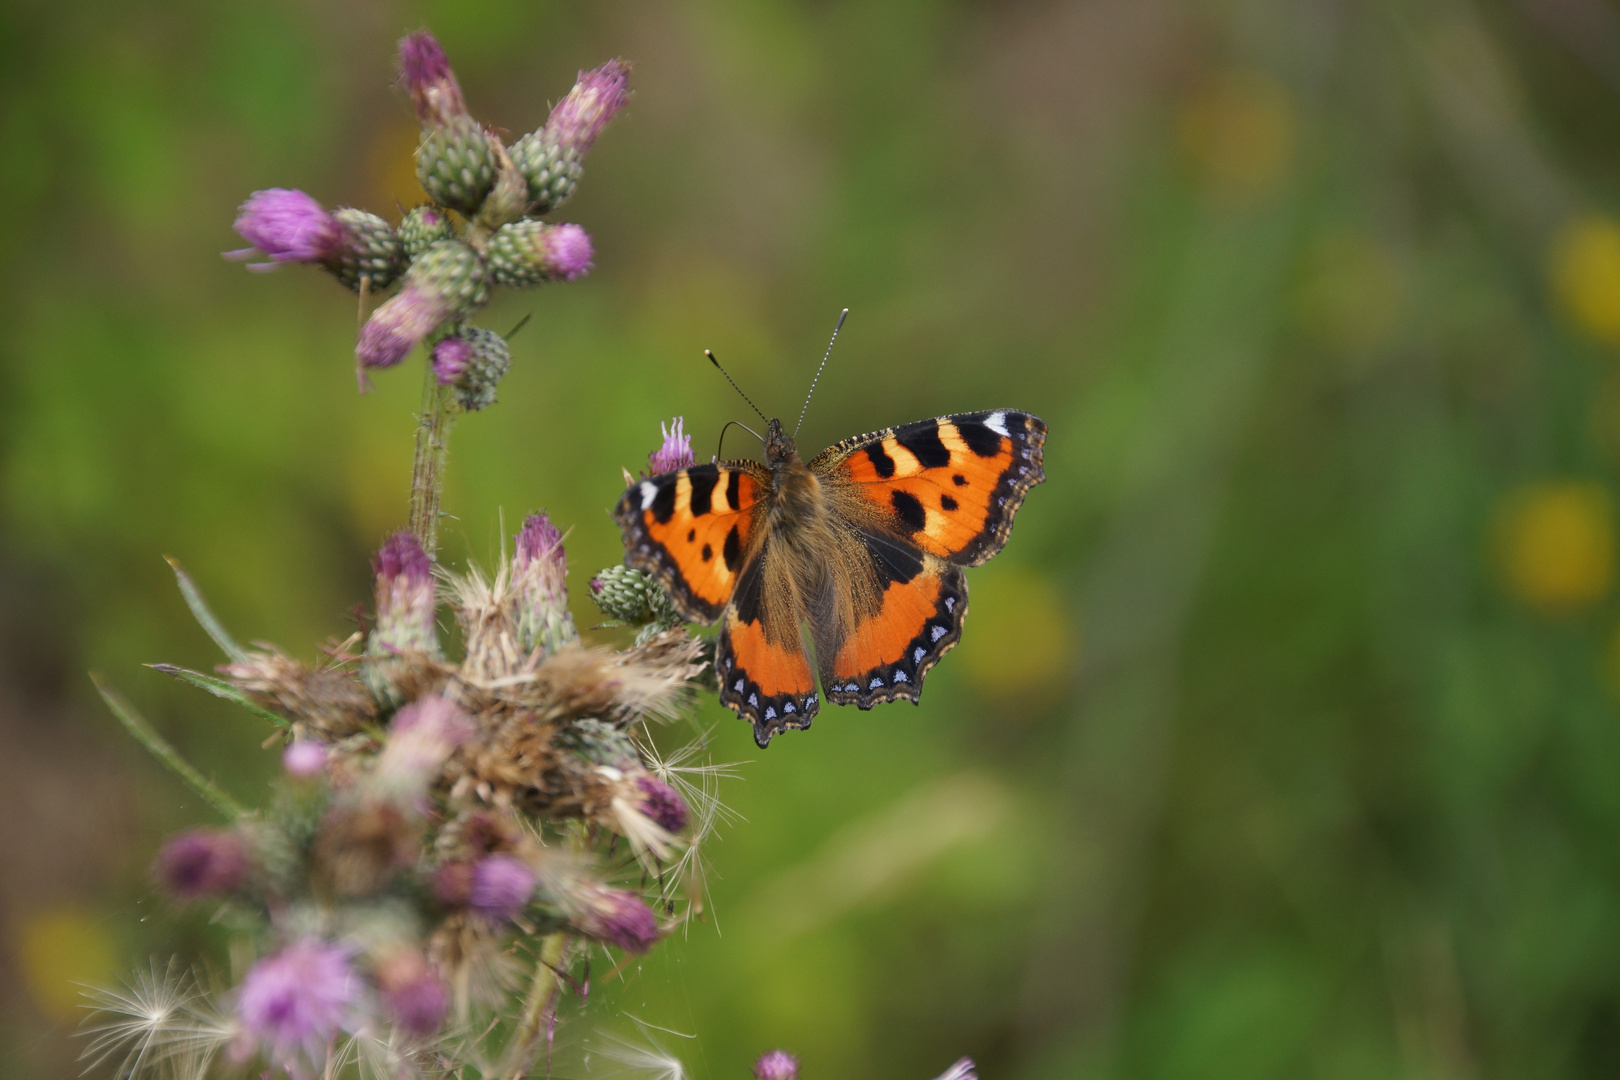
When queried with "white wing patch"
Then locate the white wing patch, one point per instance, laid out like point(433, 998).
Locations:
point(649, 491)
point(997, 422)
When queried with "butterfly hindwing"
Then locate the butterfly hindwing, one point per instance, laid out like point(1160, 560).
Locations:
point(760, 661)
point(691, 530)
point(888, 651)
point(950, 485)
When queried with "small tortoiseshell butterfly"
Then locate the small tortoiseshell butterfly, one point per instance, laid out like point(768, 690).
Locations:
point(865, 545)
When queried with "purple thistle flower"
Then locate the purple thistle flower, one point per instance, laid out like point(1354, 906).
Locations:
point(616, 917)
point(405, 602)
point(398, 324)
point(501, 887)
point(662, 803)
point(579, 118)
point(413, 992)
point(297, 999)
point(569, 252)
point(540, 586)
point(963, 1069)
point(675, 453)
point(203, 862)
point(427, 74)
point(776, 1065)
point(450, 358)
point(289, 226)
point(304, 758)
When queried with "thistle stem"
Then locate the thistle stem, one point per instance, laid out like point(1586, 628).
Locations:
point(438, 412)
point(161, 749)
point(542, 992)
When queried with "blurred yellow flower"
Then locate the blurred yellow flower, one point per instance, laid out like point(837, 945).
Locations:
point(1237, 132)
point(1555, 545)
point(62, 950)
point(1586, 274)
point(1023, 642)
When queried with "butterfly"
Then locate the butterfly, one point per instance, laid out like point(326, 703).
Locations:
point(865, 545)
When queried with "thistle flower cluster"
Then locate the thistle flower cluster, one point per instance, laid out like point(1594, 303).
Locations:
point(481, 230)
point(443, 825)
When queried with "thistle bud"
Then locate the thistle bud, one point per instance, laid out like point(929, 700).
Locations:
point(421, 739)
point(474, 360)
point(456, 165)
point(413, 992)
point(525, 253)
point(776, 1065)
point(540, 587)
point(423, 227)
point(297, 1000)
point(552, 157)
point(405, 609)
point(613, 916)
point(371, 251)
point(676, 451)
point(203, 862)
point(448, 281)
point(662, 803)
point(501, 887)
point(635, 598)
point(426, 73)
point(290, 226)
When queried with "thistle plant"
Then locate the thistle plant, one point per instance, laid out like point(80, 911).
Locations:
point(454, 833)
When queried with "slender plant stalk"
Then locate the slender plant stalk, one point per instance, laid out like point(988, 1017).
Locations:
point(148, 737)
point(427, 468)
point(542, 992)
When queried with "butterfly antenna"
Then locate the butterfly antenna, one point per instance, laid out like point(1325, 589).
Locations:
point(710, 354)
point(729, 425)
point(841, 317)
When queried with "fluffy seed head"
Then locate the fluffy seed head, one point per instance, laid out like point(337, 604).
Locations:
point(501, 887)
point(676, 451)
point(203, 862)
point(297, 999)
point(289, 226)
point(776, 1065)
point(662, 803)
point(579, 118)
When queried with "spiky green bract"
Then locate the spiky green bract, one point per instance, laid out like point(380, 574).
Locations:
point(371, 253)
point(551, 169)
point(526, 253)
point(632, 597)
point(456, 164)
point(423, 227)
point(601, 744)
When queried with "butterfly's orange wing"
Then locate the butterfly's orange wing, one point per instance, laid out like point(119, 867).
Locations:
point(693, 530)
point(760, 661)
point(950, 485)
point(927, 498)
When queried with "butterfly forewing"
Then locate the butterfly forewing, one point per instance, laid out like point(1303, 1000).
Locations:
point(950, 485)
point(693, 529)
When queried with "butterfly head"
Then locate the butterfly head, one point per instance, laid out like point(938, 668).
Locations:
point(779, 446)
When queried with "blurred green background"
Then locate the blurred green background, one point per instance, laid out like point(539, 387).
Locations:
point(1283, 737)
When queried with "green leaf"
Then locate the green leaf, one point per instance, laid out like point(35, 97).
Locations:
point(148, 737)
point(223, 689)
point(205, 617)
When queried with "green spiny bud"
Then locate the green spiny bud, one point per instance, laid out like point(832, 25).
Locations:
point(447, 282)
point(473, 360)
point(526, 253)
point(456, 165)
point(423, 226)
point(551, 169)
point(633, 597)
